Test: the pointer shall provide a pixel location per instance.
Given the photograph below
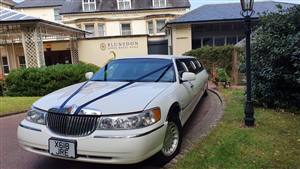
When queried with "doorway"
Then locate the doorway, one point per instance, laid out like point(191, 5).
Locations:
point(57, 57)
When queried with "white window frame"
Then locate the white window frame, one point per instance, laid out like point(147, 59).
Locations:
point(89, 3)
point(156, 26)
point(122, 29)
point(57, 15)
point(159, 4)
point(5, 73)
point(153, 27)
point(104, 29)
point(94, 32)
point(123, 1)
point(22, 65)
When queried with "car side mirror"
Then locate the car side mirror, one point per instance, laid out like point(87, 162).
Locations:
point(89, 75)
point(188, 76)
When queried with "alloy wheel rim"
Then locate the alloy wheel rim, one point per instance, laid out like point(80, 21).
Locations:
point(171, 139)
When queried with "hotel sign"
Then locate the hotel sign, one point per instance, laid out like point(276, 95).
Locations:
point(119, 45)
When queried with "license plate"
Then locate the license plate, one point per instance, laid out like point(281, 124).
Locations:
point(62, 148)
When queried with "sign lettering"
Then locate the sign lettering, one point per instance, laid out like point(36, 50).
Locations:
point(119, 45)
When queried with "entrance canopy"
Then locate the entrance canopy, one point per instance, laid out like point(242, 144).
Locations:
point(16, 27)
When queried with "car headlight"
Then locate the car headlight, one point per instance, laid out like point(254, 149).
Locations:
point(36, 116)
point(132, 121)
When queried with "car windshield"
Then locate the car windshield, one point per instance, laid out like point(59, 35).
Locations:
point(134, 69)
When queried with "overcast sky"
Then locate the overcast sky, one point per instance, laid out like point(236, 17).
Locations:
point(197, 3)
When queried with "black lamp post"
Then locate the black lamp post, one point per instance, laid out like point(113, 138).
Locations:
point(247, 12)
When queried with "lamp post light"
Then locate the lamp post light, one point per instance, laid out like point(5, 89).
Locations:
point(247, 12)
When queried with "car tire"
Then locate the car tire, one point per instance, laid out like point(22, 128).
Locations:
point(174, 135)
point(205, 93)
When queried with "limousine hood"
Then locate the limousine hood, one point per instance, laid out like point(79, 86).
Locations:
point(129, 99)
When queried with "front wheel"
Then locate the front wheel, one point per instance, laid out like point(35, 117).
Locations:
point(172, 143)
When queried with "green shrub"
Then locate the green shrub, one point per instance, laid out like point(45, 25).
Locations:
point(41, 81)
point(222, 76)
point(276, 59)
point(220, 56)
point(1, 87)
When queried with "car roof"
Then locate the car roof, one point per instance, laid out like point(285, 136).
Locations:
point(156, 57)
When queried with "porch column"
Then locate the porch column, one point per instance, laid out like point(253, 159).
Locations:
point(74, 50)
point(33, 47)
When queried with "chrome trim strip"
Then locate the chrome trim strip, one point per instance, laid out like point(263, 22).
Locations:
point(30, 128)
point(132, 136)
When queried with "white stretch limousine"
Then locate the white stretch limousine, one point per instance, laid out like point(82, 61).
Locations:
point(132, 109)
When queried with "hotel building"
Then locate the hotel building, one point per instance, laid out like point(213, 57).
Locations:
point(114, 28)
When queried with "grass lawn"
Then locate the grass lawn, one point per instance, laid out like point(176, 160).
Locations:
point(10, 105)
point(273, 144)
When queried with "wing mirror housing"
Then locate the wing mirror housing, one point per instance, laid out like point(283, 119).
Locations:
point(89, 75)
point(188, 77)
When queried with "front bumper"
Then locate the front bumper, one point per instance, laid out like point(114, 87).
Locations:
point(115, 147)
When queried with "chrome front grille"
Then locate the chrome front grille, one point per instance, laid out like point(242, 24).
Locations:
point(72, 125)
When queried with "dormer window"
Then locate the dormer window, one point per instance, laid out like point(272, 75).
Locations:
point(88, 5)
point(159, 3)
point(124, 4)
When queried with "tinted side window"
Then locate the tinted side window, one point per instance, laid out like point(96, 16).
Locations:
point(191, 66)
point(198, 65)
point(181, 67)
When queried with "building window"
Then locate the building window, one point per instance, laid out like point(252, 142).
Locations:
point(89, 5)
point(126, 29)
point(5, 64)
point(101, 29)
point(150, 27)
point(22, 62)
point(219, 41)
point(159, 3)
point(57, 16)
point(207, 41)
point(124, 4)
point(90, 28)
point(160, 25)
point(232, 40)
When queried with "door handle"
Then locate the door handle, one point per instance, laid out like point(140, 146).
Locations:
point(191, 85)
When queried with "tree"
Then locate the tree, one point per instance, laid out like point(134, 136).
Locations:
point(276, 59)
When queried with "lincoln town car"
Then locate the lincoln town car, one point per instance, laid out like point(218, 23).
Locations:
point(132, 109)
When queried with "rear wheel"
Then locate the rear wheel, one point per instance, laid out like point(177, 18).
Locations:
point(172, 142)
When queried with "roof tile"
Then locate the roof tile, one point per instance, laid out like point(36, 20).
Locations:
point(75, 6)
point(229, 11)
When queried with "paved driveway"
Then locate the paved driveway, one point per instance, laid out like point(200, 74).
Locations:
point(205, 116)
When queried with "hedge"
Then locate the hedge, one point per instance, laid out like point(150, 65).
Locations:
point(41, 81)
point(1, 87)
point(216, 57)
point(276, 59)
